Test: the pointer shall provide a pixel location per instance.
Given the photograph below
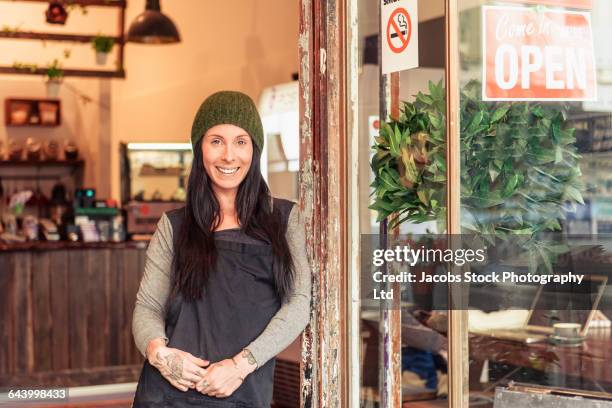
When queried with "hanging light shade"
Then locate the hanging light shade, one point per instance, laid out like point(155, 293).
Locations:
point(153, 27)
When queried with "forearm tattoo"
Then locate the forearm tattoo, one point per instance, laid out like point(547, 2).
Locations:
point(249, 356)
point(174, 363)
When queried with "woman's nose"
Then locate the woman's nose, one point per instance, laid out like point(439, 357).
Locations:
point(228, 154)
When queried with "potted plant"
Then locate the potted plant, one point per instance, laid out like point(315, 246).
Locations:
point(103, 46)
point(519, 168)
point(55, 76)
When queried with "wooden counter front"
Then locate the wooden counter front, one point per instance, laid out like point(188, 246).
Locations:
point(588, 362)
point(66, 314)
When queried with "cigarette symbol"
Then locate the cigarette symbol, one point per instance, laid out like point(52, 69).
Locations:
point(401, 19)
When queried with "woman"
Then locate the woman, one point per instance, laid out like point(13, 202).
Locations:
point(226, 284)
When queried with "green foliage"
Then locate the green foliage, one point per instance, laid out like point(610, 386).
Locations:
point(25, 66)
point(71, 6)
point(409, 163)
point(54, 71)
point(10, 29)
point(519, 167)
point(103, 44)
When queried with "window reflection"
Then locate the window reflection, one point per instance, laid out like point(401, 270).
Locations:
point(423, 331)
point(563, 201)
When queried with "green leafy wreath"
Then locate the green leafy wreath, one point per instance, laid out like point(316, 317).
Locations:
point(519, 167)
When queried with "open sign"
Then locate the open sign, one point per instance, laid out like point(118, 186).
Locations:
point(537, 55)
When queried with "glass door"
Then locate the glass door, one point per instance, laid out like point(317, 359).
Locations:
point(535, 134)
point(400, 341)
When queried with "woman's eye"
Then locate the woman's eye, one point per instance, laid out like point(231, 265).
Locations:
point(216, 141)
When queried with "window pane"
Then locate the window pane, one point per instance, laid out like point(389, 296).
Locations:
point(423, 338)
point(536, 152)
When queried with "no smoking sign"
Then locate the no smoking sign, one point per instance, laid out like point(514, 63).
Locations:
point(400, 37)
point(399, 30)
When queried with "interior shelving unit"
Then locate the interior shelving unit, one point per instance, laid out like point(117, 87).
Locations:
point(43, 36)
point(54, 170)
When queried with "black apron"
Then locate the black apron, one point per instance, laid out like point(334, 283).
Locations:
point(236, 306)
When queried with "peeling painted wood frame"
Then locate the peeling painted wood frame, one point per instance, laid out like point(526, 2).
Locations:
point(390, 328)
point(457, 331)
point(390, 335)
point(354, 339)
point(327, 93)
point(323, 192)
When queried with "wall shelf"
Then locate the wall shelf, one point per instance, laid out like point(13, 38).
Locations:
point(32, 35)
point(28, 171)
point(99, 3)
point(80, 38)
point(86, 73)
point(22, 112)
point(42, 163)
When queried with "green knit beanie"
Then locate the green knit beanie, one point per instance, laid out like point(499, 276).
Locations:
point(228, 107)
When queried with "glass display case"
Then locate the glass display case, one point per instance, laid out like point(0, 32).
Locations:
point(153, 180)
point(154, 171)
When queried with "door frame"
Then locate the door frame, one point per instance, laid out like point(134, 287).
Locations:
point(328, 57)
point(323, 197)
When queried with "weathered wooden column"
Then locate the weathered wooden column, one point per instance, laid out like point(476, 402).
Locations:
point(323, 150)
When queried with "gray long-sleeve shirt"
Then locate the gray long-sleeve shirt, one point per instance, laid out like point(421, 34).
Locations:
point(149, 313)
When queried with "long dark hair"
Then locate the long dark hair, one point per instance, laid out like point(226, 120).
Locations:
point(195, 253)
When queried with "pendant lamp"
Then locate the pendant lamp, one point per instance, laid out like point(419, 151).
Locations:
point(153, 27)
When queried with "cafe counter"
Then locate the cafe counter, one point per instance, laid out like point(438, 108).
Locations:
point(66, 312)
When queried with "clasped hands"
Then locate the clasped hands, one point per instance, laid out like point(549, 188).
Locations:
point(185, 371)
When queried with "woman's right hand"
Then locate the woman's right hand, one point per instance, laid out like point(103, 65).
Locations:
point(180, 368)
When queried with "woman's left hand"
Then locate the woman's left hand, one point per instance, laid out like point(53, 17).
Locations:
point(224, 377)
point(221, 379)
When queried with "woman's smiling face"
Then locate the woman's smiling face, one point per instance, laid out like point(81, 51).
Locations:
point(227, 152)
